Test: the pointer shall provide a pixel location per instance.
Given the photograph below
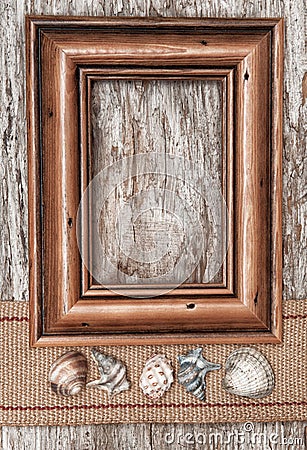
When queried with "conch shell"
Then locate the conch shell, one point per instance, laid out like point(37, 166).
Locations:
point(112, 374)
point(193, 370)
point(157, 377)
point(248, 374)
point(68, 374)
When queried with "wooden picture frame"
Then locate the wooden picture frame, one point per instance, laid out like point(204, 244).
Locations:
point(64, 56)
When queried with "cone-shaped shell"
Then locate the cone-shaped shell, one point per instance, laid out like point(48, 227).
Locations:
point(112, 374)
point(157, 377)
point(248, 374)
point(68, 374)
point(193, 370)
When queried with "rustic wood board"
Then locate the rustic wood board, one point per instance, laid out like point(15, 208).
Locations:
point(277, 436)
point(13, 193)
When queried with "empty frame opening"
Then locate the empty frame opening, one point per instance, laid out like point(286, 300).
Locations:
point(156, 196)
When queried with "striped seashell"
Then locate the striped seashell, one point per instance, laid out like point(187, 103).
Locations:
point(68, 374)
point(248, 374)
point(193, 370)
point(112, 374)
point(157, 377)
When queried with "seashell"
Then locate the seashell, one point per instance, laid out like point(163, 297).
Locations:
point(193, 370)
point(157, 377)
point(68, 374)
point(248, 374)
point(112, 374)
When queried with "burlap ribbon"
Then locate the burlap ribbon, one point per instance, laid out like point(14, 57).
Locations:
point(26, 398)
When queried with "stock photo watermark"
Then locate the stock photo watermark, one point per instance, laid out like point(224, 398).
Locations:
point(246, 435)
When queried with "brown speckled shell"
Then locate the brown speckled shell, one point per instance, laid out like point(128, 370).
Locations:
point(157, 377)
point(68, 374)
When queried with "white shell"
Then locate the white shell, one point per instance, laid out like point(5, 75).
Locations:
point(157, 377)
point(112, 374)
point(248, 374)
point(68, 374)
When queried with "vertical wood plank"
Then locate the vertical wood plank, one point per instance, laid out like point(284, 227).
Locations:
point(13, 161)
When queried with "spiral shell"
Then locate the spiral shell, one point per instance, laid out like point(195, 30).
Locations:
point(112, 374)
point(248, 374)
point(68, 374)
point(157, 377)
point(193, 370)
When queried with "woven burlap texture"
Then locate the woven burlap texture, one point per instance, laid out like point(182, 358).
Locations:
point(26, 398)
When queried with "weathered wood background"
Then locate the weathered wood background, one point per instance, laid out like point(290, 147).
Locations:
point(13, 196)
point(271, 436)
point(184, 119)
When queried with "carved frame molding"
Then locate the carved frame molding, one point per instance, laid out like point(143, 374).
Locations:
point(63, 55)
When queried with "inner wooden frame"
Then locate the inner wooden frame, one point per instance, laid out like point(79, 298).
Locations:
point(62, 56)
point(226, 77)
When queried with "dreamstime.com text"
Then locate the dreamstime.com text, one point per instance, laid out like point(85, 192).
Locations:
point(246, 435)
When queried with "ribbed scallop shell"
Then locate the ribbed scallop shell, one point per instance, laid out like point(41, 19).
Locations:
point(193, 370)
point(157, 377)
point(68, 374)
point(248, 374)
point(112, 374)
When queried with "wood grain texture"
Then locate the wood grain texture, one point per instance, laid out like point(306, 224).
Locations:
point(256, 436)
point(13, 161)
point(257, 234)
point(272, 436)
point(14, 278)
point(125, 437)
point(183, 118)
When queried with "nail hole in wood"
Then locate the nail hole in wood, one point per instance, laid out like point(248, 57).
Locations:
point(50, 113)
point(191, 306)
point(204, 42)
point(83, 324)
point(70, 222)
point(246, 76)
